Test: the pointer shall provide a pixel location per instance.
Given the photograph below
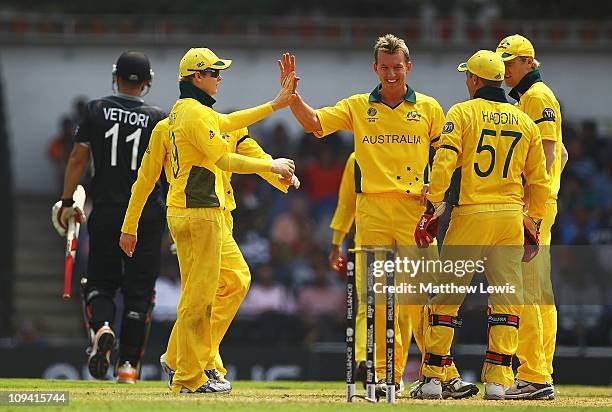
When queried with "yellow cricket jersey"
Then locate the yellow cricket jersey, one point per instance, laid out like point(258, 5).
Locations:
point(347, 201)
point(391, 143)
point(150, 169)
point(539, 102)
point(488, 144)
point(240, 142)
point(189, 144)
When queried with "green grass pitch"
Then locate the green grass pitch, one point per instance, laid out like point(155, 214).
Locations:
point(277, 396)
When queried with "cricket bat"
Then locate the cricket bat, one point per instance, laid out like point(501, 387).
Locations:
point(72, 236)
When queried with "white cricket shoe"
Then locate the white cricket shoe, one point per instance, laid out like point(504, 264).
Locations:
point(529, 390)
point(167, 370)
point(210, 386)
point(214, 374)
point(495, 391)
point(428, 388)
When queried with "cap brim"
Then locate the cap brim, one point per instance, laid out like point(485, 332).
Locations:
point(221, 64)
point(462, 67)
point(506, 56)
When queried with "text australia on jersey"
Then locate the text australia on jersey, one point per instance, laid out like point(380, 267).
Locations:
point(391, 138)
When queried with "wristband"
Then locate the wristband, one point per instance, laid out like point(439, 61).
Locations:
point(67, 202)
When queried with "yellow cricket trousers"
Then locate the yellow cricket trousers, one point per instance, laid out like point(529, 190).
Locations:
point(538, 327)
point(232, 286)
point(199, 235)
point(494, 234)
point(234, 282)
point(388, 220)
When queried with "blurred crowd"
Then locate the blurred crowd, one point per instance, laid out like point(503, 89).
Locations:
point(296, 298)
point(60, 145)
point(517, 9)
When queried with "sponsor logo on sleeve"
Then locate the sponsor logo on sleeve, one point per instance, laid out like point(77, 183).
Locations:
point(212, 134)
point(448, 127)
point(548, 114)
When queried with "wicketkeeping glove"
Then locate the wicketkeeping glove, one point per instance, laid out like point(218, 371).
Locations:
point(62, 212)
point(532, 237)
point(427, 228)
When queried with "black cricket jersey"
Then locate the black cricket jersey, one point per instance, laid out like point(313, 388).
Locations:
point(117, 129)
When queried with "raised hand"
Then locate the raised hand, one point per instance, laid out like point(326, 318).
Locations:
point(286, 65)
point(286, 92)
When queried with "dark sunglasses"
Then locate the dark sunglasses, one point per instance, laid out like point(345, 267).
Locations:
point(213, 72)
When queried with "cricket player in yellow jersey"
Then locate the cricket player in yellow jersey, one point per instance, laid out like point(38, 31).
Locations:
point(490, 144)
point(538, 328)
point(394, 129)
point(235, 277)
point(196, 154)
point(341, 224)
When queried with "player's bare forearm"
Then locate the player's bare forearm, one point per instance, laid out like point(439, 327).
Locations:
point(564, 156)
point(550, 152)
point(74, 169)
point(305, 114)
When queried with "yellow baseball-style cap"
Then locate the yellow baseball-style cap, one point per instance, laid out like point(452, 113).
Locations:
point(201, 58)
point(515, 46)
point(485, 64)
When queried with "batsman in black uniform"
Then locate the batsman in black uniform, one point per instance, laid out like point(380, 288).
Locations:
point(116, 131)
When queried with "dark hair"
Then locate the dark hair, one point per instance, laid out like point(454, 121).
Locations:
point(491, 83)
point(186, 79)
point(535, 63)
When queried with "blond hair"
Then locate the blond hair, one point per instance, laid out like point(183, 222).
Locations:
point(535, 63)
point(390, 44)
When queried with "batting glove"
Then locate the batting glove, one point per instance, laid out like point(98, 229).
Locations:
point(427, 228)
point(62, 212)
point(531, 245)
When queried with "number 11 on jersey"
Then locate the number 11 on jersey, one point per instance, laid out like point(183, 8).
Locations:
point(113, 133)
